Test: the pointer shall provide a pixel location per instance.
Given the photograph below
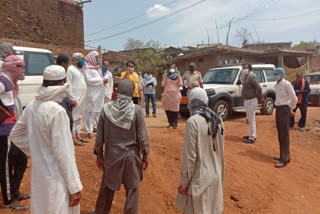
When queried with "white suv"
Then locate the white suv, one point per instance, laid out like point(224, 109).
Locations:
point(36, 60)
point(223, 87)
point(314, 81)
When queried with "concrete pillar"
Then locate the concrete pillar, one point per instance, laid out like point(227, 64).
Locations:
point(308, 64)
point(280, 60)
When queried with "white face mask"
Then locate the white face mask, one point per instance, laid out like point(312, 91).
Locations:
point(245, 72)
point(172, 70)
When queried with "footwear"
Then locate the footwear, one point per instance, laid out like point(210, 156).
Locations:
point(169, 126)
point(280, 164)
point(154, 115)
point(94, 130)
point(301, 128)
point(83, 140)
point(93, 212)
point(175, 125)
point(22, 196)
point(90, 135)
point(278, 159)
point(147, 115)
point(245, 137)
point(16, 206)
point(248, 141)
point(77, 143)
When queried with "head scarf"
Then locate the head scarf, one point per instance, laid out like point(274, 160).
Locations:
point(198, 104)
point(76, 58)
point(121, 111)
point(91, 61)
point(5, 48)
point(174, 75)
point(10, 69)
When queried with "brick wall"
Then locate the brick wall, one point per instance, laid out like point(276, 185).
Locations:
point(51, 22)
point(56, 50)
point(314, 63)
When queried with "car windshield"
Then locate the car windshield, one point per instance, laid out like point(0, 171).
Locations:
point(221, 76)
point(313, 79)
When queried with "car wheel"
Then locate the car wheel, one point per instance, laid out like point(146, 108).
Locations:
point(267, 106)
point(221, 108)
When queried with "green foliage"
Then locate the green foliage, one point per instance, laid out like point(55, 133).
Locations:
point(132, 44)
point(150, 60)
point(303, 46)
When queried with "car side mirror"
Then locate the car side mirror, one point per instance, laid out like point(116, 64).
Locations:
point(239, 82)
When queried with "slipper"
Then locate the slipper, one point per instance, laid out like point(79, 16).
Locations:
point(77, 143)
point(84, 140)
point(90, 136)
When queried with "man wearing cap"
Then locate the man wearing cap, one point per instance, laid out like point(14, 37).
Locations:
point(192, 78)
point(78, 90)
point(286, 101)
point(43, 132)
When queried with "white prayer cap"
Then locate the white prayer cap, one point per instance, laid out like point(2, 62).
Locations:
point(54, 72)
point(199, 94)
point(75, 55)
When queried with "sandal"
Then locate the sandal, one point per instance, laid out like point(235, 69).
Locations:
point(16, 206)
point(83, 140)
point(77, 143)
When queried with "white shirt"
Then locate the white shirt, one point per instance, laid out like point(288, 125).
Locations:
point(109, 86)
point(43, 132)
point(285, 94)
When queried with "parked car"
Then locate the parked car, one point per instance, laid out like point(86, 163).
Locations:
point(223, 87)
point(314, 81)
point(36, 60)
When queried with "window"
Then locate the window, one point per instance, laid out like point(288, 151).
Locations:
point(220, 76)
point(313, 79)
point(259, 73)
point(36, 63)
point(270, 75)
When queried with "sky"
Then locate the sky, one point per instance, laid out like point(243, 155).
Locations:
point(192, 22)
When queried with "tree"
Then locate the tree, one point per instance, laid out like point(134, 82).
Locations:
point(303, 46)
point(243, 35)
point(132, 44)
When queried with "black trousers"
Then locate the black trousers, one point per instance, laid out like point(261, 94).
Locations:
point(283, 127)
point(12, 168)
point(135, 100)
point(173, 117)
point(303, 110)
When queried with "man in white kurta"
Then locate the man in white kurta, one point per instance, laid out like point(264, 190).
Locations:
point(95, 95)
point(201, 185)
point(78, 90)
point(43, 132)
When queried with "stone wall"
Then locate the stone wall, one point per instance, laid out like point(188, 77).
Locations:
point(50, 22)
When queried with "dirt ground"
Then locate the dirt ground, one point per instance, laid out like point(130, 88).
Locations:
point(249, 169)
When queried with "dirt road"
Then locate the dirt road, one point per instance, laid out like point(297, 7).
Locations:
point(249, 170)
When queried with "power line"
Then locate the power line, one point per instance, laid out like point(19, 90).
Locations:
point(286, 17)
point(150, 22)
point(133, 18)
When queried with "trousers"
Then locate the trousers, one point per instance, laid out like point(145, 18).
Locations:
point(251, 107)
point(91, 120)
point(77, 127)
point(303, 110)
point(283, 127)
point(151, 97)
point(13, 164)
point(105, 198)
point(173, 117)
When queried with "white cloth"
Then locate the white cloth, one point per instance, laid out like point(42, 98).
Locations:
point(95, 95)
point(251, 107)
point(91, 120)
point(107, 100)
point(199, 94)
point(285, 94)
point(43, 132)
point(54, 72)
point(76, 127)
point(202, 169)
point(78, 90)
point(109, 86)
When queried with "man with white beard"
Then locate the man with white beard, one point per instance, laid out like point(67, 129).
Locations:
point(43, 132)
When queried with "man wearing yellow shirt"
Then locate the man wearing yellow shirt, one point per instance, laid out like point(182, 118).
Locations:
point(130, 74)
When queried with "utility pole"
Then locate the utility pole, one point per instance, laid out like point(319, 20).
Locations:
point(208, 35)
point(217, 32)
point(100, 55)
point(227, 40)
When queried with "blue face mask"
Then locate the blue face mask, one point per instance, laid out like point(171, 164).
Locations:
point(81, 63)
point(98, 61)
point(104, 69)
point(278, 77)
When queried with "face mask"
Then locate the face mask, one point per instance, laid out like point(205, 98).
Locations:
point(172, 70)
point(104, 68)
point(245, 72)
point(148, 76)
point(98, 61)
point(81, 63)
point(277, 77)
